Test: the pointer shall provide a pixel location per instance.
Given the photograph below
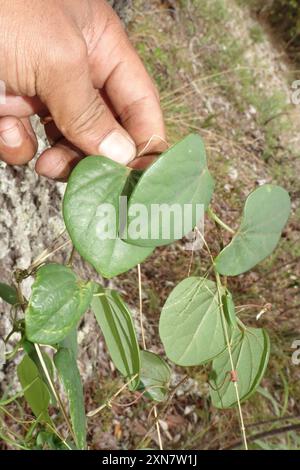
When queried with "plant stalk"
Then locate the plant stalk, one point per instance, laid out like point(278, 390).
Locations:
point(220, 222)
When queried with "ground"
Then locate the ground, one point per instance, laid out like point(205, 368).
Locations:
point(219, 74)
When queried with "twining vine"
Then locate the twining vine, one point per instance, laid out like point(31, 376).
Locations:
point(198, 325)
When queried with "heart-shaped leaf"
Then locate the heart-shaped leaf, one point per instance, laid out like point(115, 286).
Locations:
point(57, 302)
point(91, 214)
point(190, 326)
point(68, 372)
point(165, 204)
point(155, 376)
point(8, 294)
point(36, 392)
point(250, 354)
point(265, 214)
point(115, 321)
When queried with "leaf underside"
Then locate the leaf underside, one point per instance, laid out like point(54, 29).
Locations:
point(36, 393)
point(265, 214)
point(250, 353)
point(190, 325)
point(116, 324)
point(155, 376)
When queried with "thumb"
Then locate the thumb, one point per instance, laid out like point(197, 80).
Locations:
point(82, 116)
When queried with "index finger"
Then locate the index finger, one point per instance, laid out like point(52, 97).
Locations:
point(117, 68)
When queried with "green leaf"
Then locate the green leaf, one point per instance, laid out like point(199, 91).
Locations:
point(68, 372)
point(190, 325)
point(57, 302)
point(115, 321)
point(250, 354)
point(132, 180)
point(8, 294)
point(179, 176)
point(49, 441)
point(70, 342)
point(30, 350)
point(37, 394)
point(96, 181)
point(229, 309)
point(265, 214)
point(155, 375)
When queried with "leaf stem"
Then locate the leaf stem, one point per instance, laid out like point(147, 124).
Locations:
point(109, 401)
point(220, 222)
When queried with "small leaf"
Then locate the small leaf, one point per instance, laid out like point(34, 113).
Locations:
point(155, 375)
point(190, 325)
point(49, 441)
point(57, 302)
point(31, 352)
point(179, 176)
point(265, 214)
point(250, 354)
point(8, 294)
point(95, 182)
point(115, 321)
point(68, 372)
point(229, 309)
point(37, 395)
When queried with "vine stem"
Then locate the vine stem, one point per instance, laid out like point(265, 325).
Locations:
point(153, 137)
point(235, 384)
point(144, 346)
point(54, 391)
point(108, 402)
point(220, 222)
point(42, 258)
point(164, 410)
point(158, 428)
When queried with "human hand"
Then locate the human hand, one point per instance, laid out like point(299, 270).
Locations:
point(72, 60)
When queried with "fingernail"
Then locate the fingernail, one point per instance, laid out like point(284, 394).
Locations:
point(52, 167)
point(11, 137)
point(118, 147)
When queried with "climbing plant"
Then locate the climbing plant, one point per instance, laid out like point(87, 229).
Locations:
point(198, 323)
